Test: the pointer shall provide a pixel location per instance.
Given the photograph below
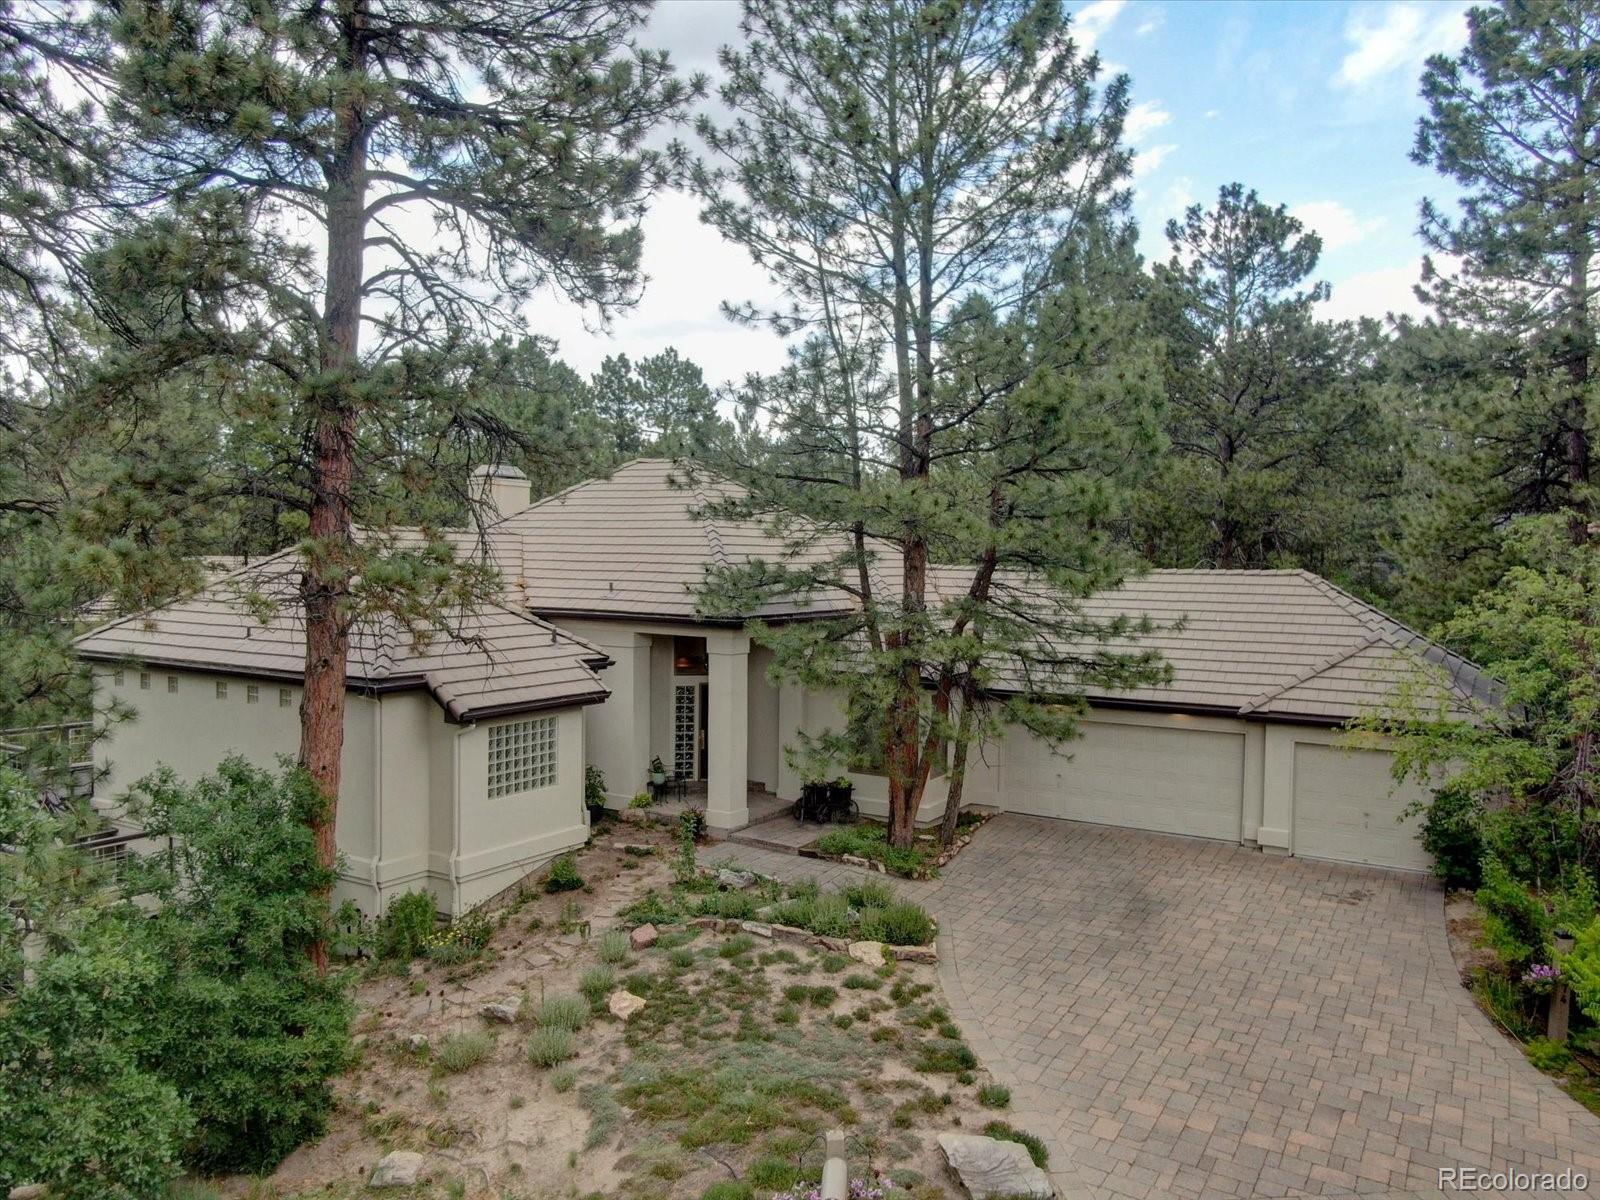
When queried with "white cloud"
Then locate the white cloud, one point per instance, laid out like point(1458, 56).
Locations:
point(1150, 158)
point(1398, 35)
point(692, 270)
point(1154, 19)
point(1090, 21)
point(1378, 293)
point(1143, 118)
point(1335, 224)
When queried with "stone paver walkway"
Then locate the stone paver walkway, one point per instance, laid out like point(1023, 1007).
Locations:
point(1193, 1019)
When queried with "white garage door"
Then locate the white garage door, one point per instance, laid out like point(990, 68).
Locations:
point(1346, 807)
point(1169, 780)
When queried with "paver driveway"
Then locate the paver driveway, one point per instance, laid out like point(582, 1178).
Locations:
point(1193, 1019)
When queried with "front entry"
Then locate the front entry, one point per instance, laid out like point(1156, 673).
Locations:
point(689, 705)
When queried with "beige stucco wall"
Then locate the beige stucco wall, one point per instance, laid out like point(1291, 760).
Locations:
point(764, 742)
point(413, 807)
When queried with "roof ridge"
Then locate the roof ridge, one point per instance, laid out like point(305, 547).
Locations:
point(1317, 668)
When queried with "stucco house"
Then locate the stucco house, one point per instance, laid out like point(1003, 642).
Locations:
point(464, 758)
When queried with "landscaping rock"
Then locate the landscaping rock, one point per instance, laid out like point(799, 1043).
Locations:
point(737, 880)
point(916, 954)
point(705, 922)
point(788, 933)
point(624, 1004)
point(837, 945)
point(28, 1191)
point(989, 1167)
point(397, 1169)
point(504, 1011)
point(416, 1042)
point(643, 937)
point(868, 953)
point(758, 928)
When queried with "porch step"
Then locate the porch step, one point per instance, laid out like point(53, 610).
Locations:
point(781, 833)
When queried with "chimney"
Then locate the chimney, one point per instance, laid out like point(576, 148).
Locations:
point(504, 491)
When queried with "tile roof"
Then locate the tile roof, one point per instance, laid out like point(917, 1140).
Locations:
point(494, 660)
point(1268, 644)
point(629, 546)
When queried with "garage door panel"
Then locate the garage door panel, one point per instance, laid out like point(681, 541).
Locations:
point(1347, 808)
point(1140, 776)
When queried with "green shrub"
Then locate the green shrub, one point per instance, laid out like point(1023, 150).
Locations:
point(773, 1173)
point(406, 925)
point(994, 1095)
point(1451, 832)
point(1506, 1002)
point(736, 946)
point(945, 1055)
point(641, 800)
point(1548, 1056)
point(728, 1189)
point(463, 1051)
point(730, 906)
point(901, 924)
point(562, 1012)
point(1005, 1133)
point(870, 894)
point(594, 787)
point(652, 909)
point(551, 1046)
point(562, 1078)
point(563, 875)
point(596, 984)
point(1515, 922)
point(244, 1027)
point(612, 946)
point(870, 983)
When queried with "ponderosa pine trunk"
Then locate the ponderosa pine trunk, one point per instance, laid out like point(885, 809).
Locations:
point(325, 584)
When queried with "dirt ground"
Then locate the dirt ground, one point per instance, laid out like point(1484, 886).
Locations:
point(745, 1052)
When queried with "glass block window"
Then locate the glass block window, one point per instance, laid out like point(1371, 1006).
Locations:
point(222, 690)
point(252, 693)
point(522, 756)
point(284, 696)
point(172, 684)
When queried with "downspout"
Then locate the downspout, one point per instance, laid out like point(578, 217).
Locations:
point(455, 822)
point(377, 802)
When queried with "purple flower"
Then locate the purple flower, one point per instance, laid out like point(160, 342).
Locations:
point(1541, 974)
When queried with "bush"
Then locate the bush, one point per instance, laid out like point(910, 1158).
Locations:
point(463, 1051)
point(563, 875)
point(728, 1189)
point(550, 1047)
point(562, 1012)
point(596, 984)
point(562, 1079)
point(1515, 922)
point(612, 946)
point(243, 1026)
point(946, 1056)
point(994, 1095)
point(1005, 1133)
point(405, 926)
point(730, 906)
point(1548, 1056)
point(594, 787)
point(1452, 834)
point(870, 894)
point(902, 924)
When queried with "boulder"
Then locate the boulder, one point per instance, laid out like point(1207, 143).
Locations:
point(397, 1169)
point(624, 1004)
point(417, 1042)
point(643, 937)
point(916, 954)
point(989, 1167)
point(867, 953)
point(28, 1191)
point(504, 1011)
point(736, 880)
point(758, 928)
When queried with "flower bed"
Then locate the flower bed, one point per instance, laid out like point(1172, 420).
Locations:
point(866, 844)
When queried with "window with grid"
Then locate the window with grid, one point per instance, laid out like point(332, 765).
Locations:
point(522, 756)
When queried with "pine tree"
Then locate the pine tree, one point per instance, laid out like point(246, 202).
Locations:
point(1277, 441)
point(905, 171)
point(446, 159)
point(1514, 119)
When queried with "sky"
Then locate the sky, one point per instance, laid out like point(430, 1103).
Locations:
point(1312, 104)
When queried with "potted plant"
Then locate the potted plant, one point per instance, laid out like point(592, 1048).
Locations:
point(658, 771)
point(594, 792)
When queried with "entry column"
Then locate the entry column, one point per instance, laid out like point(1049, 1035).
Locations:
point(728, 730)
